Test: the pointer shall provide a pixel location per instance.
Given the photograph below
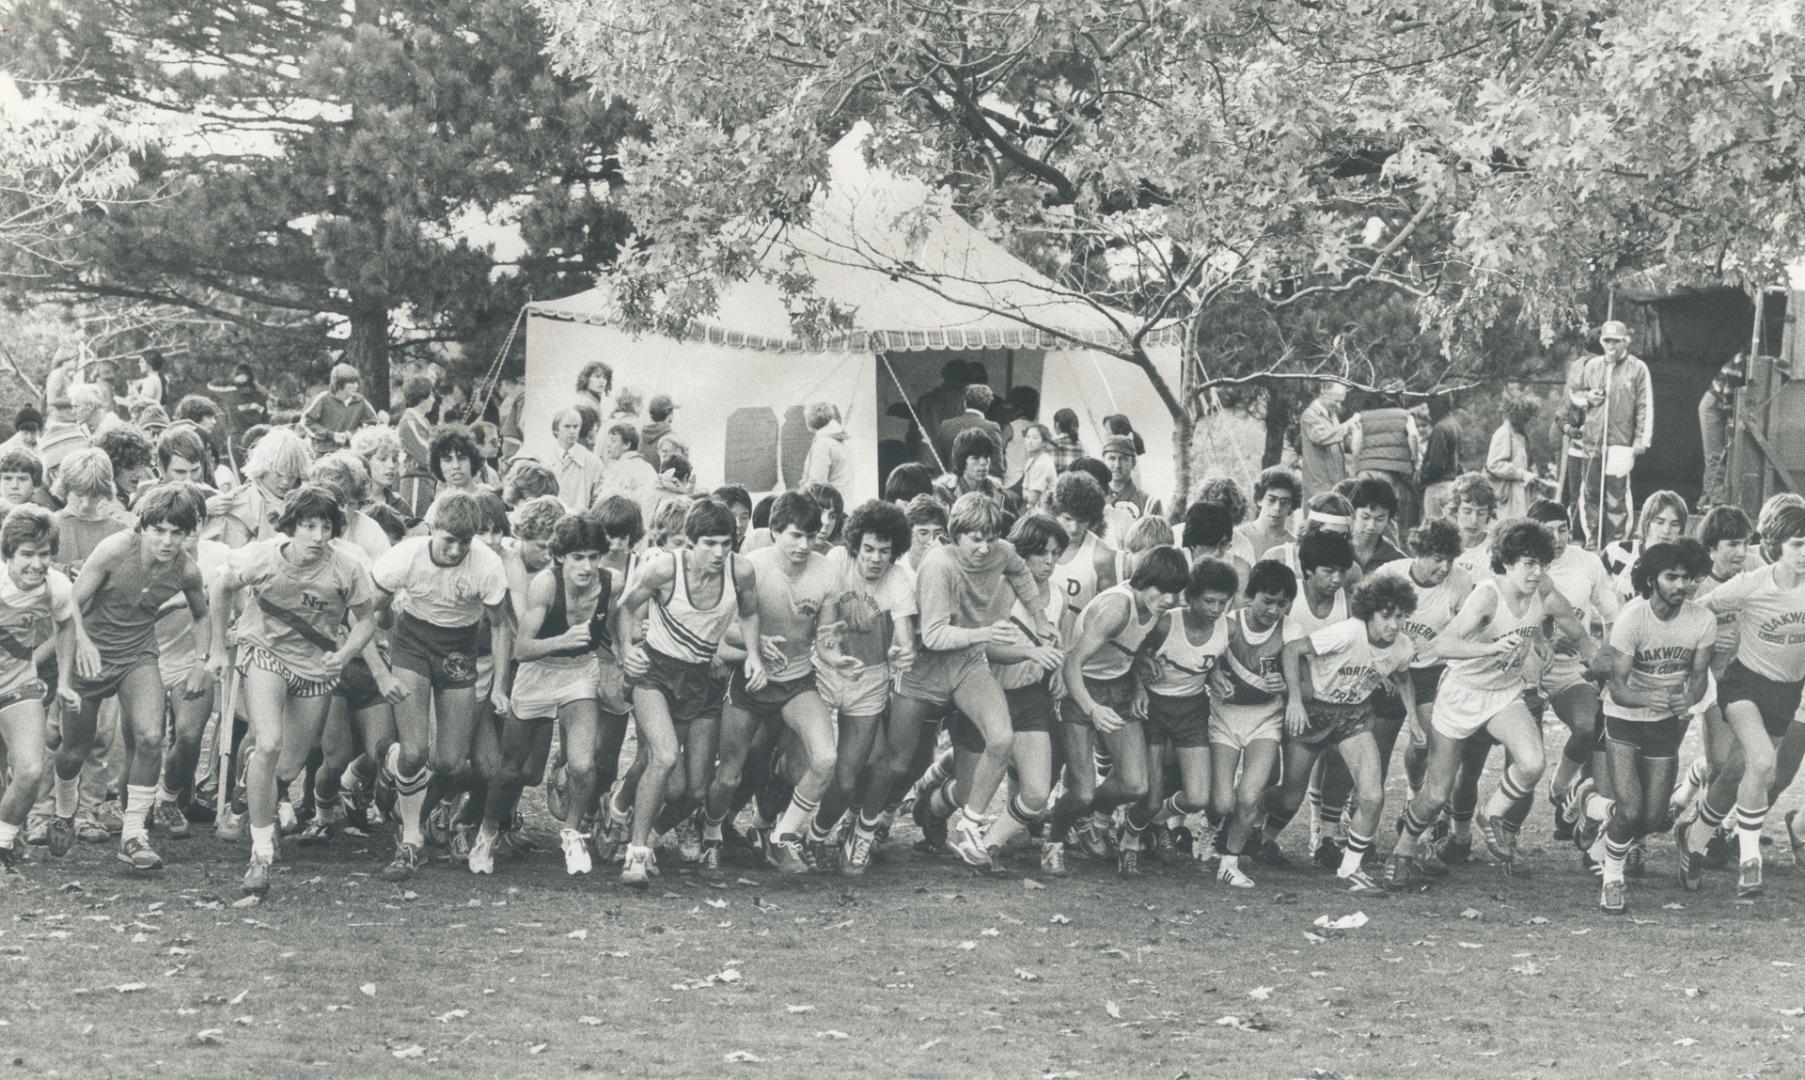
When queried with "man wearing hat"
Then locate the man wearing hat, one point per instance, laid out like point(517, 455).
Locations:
point(1124, 503)
point(1620, 425)
point(656, 427)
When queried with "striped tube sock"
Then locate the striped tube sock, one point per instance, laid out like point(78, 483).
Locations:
point(1415, 826)
point(410, 797)
point(1710, 816)
point(1615, 854)
point(940, 799)
point(1748, 831)
point(1511, 791)
point(1010, 825)
point(138, 798)
point(1357, 847)
point(794, 820)
point(866, 827)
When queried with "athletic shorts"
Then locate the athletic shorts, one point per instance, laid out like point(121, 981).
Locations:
point(864, 692)
point(1333, 722)
point(1425, 681)
point(690, 690)
point(1705, 703)
point(357, 685)
point(1461, 710)
point(111, 676)
point(935, 677)
point(767, 702)
point(1031, 707)
point(444, 655)
point(1778, 701)
point(1387, 703)
point(1651, 738)
point(30, 690)
point(1236, 727)
point(1182, 721)
point(611, 684)
point(173, 668)
point(256, 656)
point(1117, 693)
point(542, 687)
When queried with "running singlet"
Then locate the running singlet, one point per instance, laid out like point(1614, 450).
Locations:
point(683, 632)
point(296, 612)
point(447, 596)
point(1346, 667)
point(789, 606)
point(1771, 621)
point(1116, 657)
point(1023, 672)
point(1251, 662)
point(1435, 609)
point(1072, 585)
point(122, 616)
point(868, 609)
point(1180, 668)
point(1723, 649)
point(1498, 672)
point(27, 619)
point(1301, 622)
point(1477, 561)
point(557, 619)
point(1661, 653)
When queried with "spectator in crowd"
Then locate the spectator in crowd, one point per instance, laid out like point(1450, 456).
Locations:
point(1715, 410)
point(1572, 424)
point(488, 449)
point(1441, 458)
point(656, 427)
point(1035, 484)
point(64, 377)
point(1024, 412)
point(1620, 425)
point(738, 500)
point(829, 461)
point(626, 406)
point(594, 383)
point(1322, 447)
point(513, 404)
point(1124, 501)
point(1067, 446)
point(676, 481)
point(527, 479)
point(246, 403)
point(415, 431)
point(380, 449)
point(973, 459)
point(28, 424)
point(88, 406)
point(907, 481)
point(942, 403)
point(332, 416)
point(454, 402)
point(1118, 424)
point(579, 471)
point(629, 473)
point(1276, 494)
point(592, 425)
point(977, 401)
point(1507, 459)
point(1223, 493)
point(148, 388)
point(1386, 445)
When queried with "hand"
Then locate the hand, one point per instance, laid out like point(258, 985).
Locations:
point(498, 695)
point(216, 665)
point(1219, 684)
point(576, 637)
point(392, 689)
point(70, 699)
point(1596, 396)
point(87, 659)
point(1137, 705)
point(636, 663)
point(1297, 721)
point(333, 664)
point(1047, 657)
point(755, 672)
point(1639, 450)
point(901, 657)
point(196, 685)
point(1106, 720)
point(771, 649)
point(1000, 634)
point(342, 438)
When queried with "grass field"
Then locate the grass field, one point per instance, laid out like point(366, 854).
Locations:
point(919, 969)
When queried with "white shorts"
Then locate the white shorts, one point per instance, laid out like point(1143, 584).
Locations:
point(1710, 698)
point(174, 667)
point(1236, 727)
point(542, 687)
point(865, 692)
point(1461, 710)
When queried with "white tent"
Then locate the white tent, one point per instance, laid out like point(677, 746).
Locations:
point(740, 378)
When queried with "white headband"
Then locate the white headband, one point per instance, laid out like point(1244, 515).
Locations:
point(1322, 517)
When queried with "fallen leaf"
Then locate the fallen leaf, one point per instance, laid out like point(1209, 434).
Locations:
point(1026, 976)
point(455, 1014)
point(1673, 907)
point(1114, 1010)
point(247, 901)
point(737, 1057)
point(1791, 1012)
point(1261, 993)
point(1469, 944)
point(989, 931)
point(578, 935)
point(367, 989)
point(967, 946)
point(1030, 884)
point(209, 1037)
point(1527, 967)
point(729, 976)
point(590, 1021)
point(716, 903)
point(536, 1048)
point(1059, 920)
point(1686, 1040)
point(238, 998)
point(798, 1008)
point(1692, 991)
point(1346, 922)
point(1537, 920)
point(406, 1052)
point(1470, 913)
point(132, 988)
point(834, 1035)
point(1314, 939)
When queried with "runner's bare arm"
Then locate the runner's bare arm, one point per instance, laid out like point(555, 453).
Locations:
point(540, 596)
point(201, 633)
point(1103, 560)
point(1567, 620)
point(1455, 642)
point(1101, 621)
point(1297, 682)
point(224, 599)
point(98, 567)
point(653, 578)
point(501, 630)
point(745, 584)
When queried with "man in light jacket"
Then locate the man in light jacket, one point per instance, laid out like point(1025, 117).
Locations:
point(1616, 383)
point(829, 461)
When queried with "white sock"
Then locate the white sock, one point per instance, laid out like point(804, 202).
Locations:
point(8, 831)
point(164, 795)
point(1350, 861)
point(1596, 851)
point(138, 798)
point(68, 795)
point(1598, 808)
point(263, 841)
point(410, 797)
point(1748, 844)
point(795, 819)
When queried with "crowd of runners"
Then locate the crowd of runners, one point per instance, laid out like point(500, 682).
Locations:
point(349, 626)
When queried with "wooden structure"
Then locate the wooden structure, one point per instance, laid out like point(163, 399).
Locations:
point(1767, 435)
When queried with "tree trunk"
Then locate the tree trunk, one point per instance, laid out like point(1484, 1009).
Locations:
point(1278, 421)
point(368, 352)
point(1184, 430)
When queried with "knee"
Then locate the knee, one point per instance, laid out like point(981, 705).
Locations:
point(27, 769)
point(663, 758)
point(1758, 766)
point(581, 772)
point(268, 746)
point(1000, 746)
point(411, 759)
point(1531, 764)
point(821, 759)
point(446, 761)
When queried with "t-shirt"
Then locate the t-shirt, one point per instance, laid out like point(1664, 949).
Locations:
point(1435, 608)
point(1301, 622)
point(955, 591)
point(450, 596)
point(1770, 620)
point(789, 606)
point(1661, 652)
point(296, 612)
point(1346, 667)
point(1723, 649)
point(28, 618)
point(868, 608)
point(76, 537)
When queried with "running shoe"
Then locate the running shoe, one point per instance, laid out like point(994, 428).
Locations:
point(403, 865)
point(287, 821)
point(1052, 859)
point(1092, 843)
point(1165, 847)
point(109, 818)
point(785, 853)
point(884, 821)
point(1611, 899)
point(576, 852)
point(1362, 882)
point(1203, 844)
point(821, 855)
point(229, 827)
point(636, 869)
point(1559, 799)
point(611, 837)
point(37, 834)
point(1234, 878)
point(855, 853)
point(711, 857)
point(514, 842)
point(143, 859)
point(481, 858)
point(996, 866)
point(463, 837)
point(933, 829)
point(1400, 871)
point(9, 862)
point(965, 838)
point(1718, 851)
point(1327, 854)
point(92, 832)
point(557, 795)
point(355, 806)
point(168, 819)
point(1748, 878)
point(1692, 864)
point(256, 878)
point(438, 826)
point(62, 836)
point(1269, 852)
point(689, 841)
point(1497, 841)
point(1128, 861)
point(1636, 863)
point(1184, 841)
point(318, 831)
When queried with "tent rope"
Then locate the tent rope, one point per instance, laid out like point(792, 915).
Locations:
point(907, 404)
point(1107, 389)
point(492, 379)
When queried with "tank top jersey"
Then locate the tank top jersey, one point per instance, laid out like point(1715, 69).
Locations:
point(557, 620)
point(1116, 657)
point(28, 618)
point(1251, 661)
point(1301, 622)
point(1181, 668)
point(1723, 648)
point(1477, 561)
point(1494, 672)
point(1661, 653)
point(121, 619)
point(1770, 621)
point(1435, 608)
point(297, 613)
point(682, 631)
point(1073, 585)
point(789, 607)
